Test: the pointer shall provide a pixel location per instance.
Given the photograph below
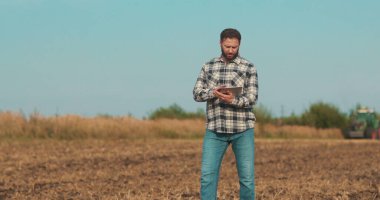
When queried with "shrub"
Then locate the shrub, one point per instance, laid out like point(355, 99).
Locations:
point(324, 115)
point(176, 112)
point(293, 119)
point(263, 114)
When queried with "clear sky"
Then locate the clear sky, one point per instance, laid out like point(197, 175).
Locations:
point(117, 57)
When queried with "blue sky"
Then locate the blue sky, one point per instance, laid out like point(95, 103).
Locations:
point(117, 57)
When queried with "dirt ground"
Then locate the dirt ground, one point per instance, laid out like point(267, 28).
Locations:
point(170, 169)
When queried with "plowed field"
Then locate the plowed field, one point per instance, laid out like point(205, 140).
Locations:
point(170, 169)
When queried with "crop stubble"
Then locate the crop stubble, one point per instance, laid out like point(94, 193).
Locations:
point(170, 169)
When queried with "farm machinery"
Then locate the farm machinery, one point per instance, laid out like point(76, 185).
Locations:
point(363, 124)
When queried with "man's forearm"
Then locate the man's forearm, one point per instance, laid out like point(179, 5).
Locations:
point(202, 95)
point(243, 101)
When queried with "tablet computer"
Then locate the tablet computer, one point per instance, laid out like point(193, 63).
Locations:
point(234, 90)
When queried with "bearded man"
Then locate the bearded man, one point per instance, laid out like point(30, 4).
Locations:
point(229, 118)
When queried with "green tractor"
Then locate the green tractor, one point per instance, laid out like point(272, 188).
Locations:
point(363, 124)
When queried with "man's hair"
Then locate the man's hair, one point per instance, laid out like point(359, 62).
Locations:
point(230, 33)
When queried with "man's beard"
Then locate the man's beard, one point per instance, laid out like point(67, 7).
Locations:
point(225, 55)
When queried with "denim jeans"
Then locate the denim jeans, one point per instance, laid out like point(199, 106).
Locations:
point(214, 147)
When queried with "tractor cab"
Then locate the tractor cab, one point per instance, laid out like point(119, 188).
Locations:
point(363, 124)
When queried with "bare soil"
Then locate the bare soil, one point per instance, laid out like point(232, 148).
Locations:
point(170, 169)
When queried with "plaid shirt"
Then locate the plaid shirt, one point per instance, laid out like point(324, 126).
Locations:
point(222, 117)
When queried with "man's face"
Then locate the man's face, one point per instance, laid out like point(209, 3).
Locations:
point(230, 48)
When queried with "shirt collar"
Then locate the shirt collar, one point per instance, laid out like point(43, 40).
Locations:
point(237, 60)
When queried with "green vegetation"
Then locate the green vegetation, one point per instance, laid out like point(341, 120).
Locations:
point(293, 119)
point(176, 112)
point(263, 114)
point(324, 115)
point(318, 115)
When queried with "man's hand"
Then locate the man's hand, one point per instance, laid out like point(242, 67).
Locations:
point(227, 97)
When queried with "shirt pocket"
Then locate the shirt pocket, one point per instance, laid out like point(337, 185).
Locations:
point(213, 80)
point(237, 79)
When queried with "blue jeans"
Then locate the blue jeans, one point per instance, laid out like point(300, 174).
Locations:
point(214, 147)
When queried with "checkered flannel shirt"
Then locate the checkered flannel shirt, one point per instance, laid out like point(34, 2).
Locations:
point(222, 117)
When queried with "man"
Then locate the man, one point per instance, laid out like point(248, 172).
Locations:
point(230, 119)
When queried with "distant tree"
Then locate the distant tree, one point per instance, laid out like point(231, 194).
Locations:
point(104, 115)
point(263, 114)
point(324, 115)
point(293, 119)
point(174, 111)
point(200, 113)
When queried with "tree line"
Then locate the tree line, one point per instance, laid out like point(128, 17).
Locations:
point(318, 115)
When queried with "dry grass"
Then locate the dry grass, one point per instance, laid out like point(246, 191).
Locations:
point(15, 125)
point(170, 169)
point(300, 132)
